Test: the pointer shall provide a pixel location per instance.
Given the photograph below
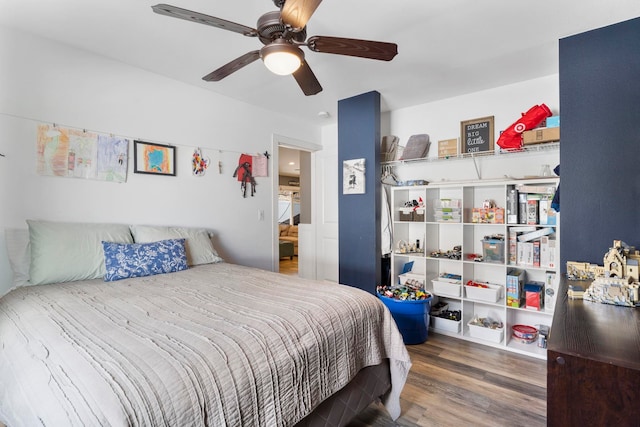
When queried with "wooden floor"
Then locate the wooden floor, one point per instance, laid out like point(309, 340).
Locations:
point(289, 266)
point(453, 382)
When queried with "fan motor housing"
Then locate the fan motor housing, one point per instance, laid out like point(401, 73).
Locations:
point(270, 27)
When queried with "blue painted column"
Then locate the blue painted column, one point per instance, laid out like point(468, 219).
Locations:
point(600, 141)
point(359, 214)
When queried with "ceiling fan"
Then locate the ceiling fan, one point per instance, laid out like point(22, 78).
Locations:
point(283, 32)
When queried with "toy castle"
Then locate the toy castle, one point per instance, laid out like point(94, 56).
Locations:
point(619, 282)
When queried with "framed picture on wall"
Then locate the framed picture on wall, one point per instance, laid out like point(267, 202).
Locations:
point(476, 136)
point(353, 176)
point(154, 159)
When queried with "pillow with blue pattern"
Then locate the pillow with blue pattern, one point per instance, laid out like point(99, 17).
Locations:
point(123, 261)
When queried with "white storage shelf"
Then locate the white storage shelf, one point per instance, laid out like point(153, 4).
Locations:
point(443, 236)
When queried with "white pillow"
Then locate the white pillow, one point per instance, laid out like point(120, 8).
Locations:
point(19, 251)
point(64, 252)
point(198, 244)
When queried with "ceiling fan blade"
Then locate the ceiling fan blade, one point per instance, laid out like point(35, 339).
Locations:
point(232, 66)
point(353, 47)
point(177, 12)
point(296, 13)
point(307, 80)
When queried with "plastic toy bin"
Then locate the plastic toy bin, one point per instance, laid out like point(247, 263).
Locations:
point(487, 334)
point(493, 250)
point(411, 317)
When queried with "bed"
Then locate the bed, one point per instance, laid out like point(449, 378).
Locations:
point(209, 344)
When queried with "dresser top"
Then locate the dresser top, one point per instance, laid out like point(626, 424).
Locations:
point(601, 332)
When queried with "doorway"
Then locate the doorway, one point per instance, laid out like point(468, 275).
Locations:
point(289, 166)
point(296, 186)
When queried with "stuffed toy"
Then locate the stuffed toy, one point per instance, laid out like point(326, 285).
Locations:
point(512, 136)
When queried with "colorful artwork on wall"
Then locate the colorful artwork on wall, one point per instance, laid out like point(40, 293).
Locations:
point(199, 164)
point(155, 159)
point(76, 153)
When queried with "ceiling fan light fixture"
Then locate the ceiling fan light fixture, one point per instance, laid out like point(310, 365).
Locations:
point(282, 58)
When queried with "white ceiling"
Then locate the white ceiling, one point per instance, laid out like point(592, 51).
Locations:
point(446, 48)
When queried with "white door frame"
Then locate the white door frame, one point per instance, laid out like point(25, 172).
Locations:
point(297, 144)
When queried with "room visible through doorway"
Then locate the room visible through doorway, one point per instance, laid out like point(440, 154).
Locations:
point(288, 208)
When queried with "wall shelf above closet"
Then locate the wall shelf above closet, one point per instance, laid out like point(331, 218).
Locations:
point(530, 149)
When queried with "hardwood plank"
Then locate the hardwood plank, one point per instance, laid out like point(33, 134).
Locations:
point(454, 381)
point(289, 266)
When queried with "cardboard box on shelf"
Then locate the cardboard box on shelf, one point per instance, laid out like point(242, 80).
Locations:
point(550, 290)
point(515, 287)
point(536, 234)
point(540, 135)
point(553, 122)
point(534, 295)
point(487, 215)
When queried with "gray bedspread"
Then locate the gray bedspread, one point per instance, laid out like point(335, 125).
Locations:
point(216, 345)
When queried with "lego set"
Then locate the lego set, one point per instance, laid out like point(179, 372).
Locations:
point(616, 282)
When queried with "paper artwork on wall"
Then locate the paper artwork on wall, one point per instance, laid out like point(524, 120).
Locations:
point(113, 155)
point(77, 153)
point(353, 176)
point(260, 166)
point(199, 164)
point(244, 174)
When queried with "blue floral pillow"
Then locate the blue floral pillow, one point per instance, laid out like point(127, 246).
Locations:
point(123, 261)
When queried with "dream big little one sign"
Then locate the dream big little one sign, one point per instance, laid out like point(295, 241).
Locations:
point(476, 135)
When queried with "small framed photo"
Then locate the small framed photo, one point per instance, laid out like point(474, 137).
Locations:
point(353, 176)
point(476, 135)
point(154, 159)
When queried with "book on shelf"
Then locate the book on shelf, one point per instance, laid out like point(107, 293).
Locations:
point(546, 213)
point(512, 206)
point(525, 253)
point(522, 208)
point(513, 247)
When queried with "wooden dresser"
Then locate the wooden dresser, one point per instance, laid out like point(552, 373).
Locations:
point(593, 364)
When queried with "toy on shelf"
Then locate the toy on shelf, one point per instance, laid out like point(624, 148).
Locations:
point(454, 253)
point(616, 282)
point(512, 137)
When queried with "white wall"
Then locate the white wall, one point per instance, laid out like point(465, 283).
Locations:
point(441, 120)
point(43, 81)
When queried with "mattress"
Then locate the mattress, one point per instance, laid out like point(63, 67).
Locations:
point(217, 344)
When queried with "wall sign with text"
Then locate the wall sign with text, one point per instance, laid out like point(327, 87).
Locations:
point(476, 135)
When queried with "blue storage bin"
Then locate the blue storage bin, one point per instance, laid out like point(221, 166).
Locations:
point(412, 318)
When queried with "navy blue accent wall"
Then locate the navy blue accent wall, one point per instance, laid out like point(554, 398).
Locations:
point(359, 214)
point(600, 141)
